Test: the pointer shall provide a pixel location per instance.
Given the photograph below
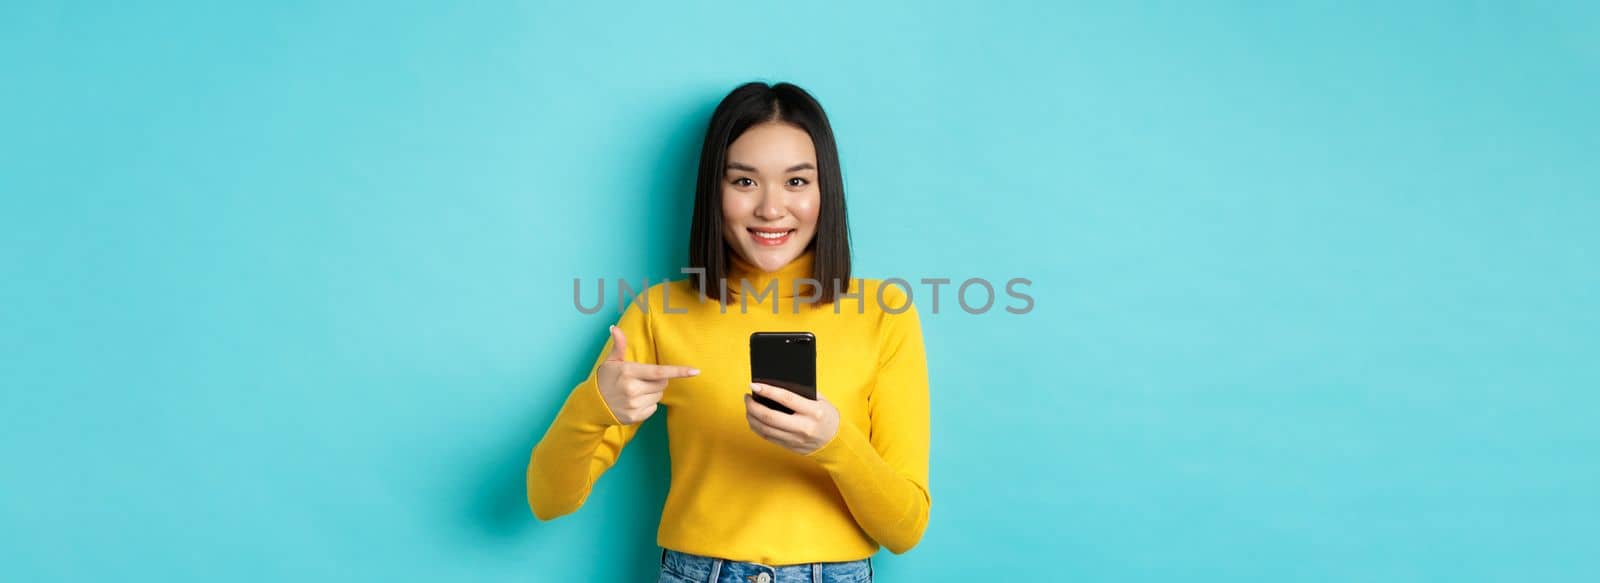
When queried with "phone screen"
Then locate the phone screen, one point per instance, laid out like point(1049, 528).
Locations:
point(787, 360)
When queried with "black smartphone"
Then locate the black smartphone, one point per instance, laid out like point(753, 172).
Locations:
point(787, 360)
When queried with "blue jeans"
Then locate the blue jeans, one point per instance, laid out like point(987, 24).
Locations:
point(679, 567)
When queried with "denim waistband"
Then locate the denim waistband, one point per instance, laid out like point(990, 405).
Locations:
point(705, 569)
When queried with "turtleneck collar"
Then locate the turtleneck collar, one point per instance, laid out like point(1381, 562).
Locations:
point(799, 268)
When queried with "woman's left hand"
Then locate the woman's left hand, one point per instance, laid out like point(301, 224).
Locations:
point(810, 427)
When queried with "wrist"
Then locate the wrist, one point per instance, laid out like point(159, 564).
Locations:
point(590, 406)
point(837, 446)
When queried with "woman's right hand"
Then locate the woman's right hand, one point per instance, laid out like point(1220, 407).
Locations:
point(632, 389)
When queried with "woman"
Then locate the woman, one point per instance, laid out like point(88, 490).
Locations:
point(757, 494)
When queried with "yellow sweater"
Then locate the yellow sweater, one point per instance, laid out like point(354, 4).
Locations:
point(735, 495)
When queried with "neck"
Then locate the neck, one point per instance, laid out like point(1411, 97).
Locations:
point(785, 278)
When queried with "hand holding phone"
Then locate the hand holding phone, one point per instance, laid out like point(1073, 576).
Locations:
point(791, 413)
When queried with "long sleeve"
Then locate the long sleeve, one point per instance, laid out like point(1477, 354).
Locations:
point(883, 475)
point(585, 438)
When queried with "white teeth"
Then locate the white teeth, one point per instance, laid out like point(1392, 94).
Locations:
point(765, 235)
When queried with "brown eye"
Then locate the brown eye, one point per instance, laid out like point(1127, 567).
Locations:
point(741, 180)
point(802, 182)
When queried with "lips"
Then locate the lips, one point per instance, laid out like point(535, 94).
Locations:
point(768, 236)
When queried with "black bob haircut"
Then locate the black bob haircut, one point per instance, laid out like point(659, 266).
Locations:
point(748, 105)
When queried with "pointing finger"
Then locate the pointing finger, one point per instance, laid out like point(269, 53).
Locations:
point(662, 372)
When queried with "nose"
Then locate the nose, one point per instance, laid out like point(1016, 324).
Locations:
point(771, 204)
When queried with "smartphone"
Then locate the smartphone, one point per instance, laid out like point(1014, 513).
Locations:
point(787, 360)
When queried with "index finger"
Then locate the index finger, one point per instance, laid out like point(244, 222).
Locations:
point(662, 372)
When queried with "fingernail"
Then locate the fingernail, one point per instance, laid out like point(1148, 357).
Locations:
point(694, 371)
point(755, 387)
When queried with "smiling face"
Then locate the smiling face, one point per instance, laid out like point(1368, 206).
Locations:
point(770, 197)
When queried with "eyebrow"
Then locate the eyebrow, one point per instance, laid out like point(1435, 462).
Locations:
point(794, 168)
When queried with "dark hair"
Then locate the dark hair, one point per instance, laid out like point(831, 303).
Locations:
point(747, 105)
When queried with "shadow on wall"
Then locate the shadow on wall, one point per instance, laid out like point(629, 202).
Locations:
point(499, 507)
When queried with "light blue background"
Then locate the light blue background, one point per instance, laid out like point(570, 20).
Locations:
point(287, 287)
